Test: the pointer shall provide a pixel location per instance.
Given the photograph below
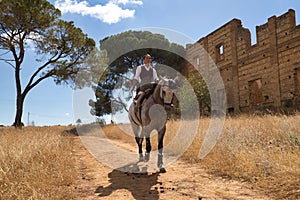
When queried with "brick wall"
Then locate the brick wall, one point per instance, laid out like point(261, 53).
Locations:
point(259, 76)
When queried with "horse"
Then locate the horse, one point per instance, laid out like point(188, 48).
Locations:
point(152, 116)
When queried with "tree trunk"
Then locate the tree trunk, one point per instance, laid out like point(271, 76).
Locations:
point(20, 97)
point(19, 106)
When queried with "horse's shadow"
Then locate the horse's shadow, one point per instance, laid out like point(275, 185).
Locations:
point(133, 178)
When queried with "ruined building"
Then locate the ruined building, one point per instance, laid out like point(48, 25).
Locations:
point(259, 76)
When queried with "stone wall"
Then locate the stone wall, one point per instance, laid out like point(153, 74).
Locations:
point(259, 76)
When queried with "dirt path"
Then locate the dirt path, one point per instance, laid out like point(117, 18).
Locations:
point(182, 181)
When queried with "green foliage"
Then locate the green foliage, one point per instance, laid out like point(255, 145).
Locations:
point(92, 69)
point(125, 52)
point(200, 90)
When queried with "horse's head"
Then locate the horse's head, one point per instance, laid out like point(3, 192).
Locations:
point(167, 90)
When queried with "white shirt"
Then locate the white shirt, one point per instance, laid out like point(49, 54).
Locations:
point(139, 70)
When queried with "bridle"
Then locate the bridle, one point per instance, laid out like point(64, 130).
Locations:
point(166, 93)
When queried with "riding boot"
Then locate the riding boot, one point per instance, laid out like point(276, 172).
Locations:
point(137, 105)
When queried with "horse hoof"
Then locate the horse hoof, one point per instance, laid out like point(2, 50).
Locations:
point(141, 157)
point(147, 157)
point(162, 170)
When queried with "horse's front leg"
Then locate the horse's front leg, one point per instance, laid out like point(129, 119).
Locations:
point(148, 148)
point(138, 139)
point(161, 135)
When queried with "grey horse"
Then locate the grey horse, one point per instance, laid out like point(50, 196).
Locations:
point(152, 116)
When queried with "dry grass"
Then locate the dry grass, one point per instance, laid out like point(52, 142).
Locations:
point(263, 150)
point(36, 163)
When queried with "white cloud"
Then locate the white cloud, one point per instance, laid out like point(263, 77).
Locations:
point(109, 13)
point(138, 2)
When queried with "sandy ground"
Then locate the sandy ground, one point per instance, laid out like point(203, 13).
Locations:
point(181, 181)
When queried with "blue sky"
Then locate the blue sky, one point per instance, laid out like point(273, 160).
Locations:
point(49, 104)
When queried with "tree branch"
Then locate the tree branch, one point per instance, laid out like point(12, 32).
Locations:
point(118, 100)
point(30, 86)
point(8, 62)
point(43, 67)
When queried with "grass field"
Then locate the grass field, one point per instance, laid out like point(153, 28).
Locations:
point(264, 150)
point(37, 162)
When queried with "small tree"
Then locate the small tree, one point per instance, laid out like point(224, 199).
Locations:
point(78, 121)
point(201, 91)
point(61, 46)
